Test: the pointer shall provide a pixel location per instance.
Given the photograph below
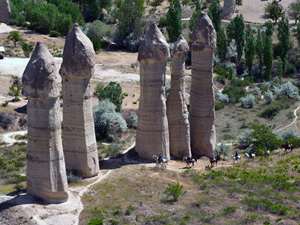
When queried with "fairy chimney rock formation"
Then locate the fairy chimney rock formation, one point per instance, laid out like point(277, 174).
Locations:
point(46, 172)
point(79, 140)
point(152, 134)
point(4, 11)
point(179, 127)
point(202, 110)
point(228, 9)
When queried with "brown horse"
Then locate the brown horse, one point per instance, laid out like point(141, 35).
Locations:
point(213, 162)
point(286, 147)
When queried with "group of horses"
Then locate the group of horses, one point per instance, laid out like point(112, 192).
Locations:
point(190, 162)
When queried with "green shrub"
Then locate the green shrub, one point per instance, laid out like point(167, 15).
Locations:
point(99, 30)
point(117, 210)
point(221, 71)
point(247, 101)
point(271, 110)
point(54, 33)
point(174, 190)
point(219, 105)
point(229, 210)
point(162, 22)
point(132, 120)
point(129, 210)
point(221, 80)
point(4, 104)
point(222, 150)
point(96, 221)
point(99, 88)
point(96, 44)
point(234, 93)
point(113, 92)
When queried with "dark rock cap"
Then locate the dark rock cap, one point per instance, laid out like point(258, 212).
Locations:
point(153, 47)
point(40, 77)
point(204, 36)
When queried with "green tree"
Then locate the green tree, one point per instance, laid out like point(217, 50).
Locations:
point(174, 190)
point(129, 14)
point(239, 2)
point(174, 26)
point(279, 68)
point(249, 49)
point(274, 10)
point(284, 40)
point(99, 30)
point(15, 37)
point(113, 92)
point(294, 11)
point(214, 13)
point(195, 16)
point(239, 34)
point(268, 57)
point(155, 3)
point(269, 28)
point(259, 48)
point(230, 31)
point(27, 49)
point(221, 44)
point(15, 88)
point(298, 34)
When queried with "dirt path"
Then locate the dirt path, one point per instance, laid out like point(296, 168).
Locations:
point(9, 137)
point(292, 123)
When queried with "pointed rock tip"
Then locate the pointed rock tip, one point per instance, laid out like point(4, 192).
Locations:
point(40, 77)
point(153, 47)
point(181, 48)
point(204, 35)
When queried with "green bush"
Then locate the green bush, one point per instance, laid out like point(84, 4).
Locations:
point(271, 110)
point(99, 30)
point(219, 105)
point(221, 71)
point(229, 210)
point(162, 22)
point(174, 190)
point(96, 44)
point(99, 88)
point(96, 221)
point(132, 120)
point(4, 104)
point(27, 49)
point(113, 92)
point(129, 210)
point(221, 80)
point(54, 33)
point(234, 93)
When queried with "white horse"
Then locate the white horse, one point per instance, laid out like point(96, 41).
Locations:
point(189, 161)
point(248, 156)
point(163, 162)
point(238, 158)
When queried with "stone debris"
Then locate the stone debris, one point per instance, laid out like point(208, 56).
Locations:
point(228, 9)
point(4, 11)
point(179, 127)
point(46, 172)
point(202, 110)
point(152, 135)
point(79, 140)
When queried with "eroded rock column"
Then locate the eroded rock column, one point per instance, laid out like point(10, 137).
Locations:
point(202, 110)
point(4, 11)
point(179, 126)
point(152, 134)
point(46, 172)
point(79, 140)
point(228, 9)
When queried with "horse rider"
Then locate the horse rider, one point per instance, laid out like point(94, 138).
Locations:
point(250, 153)
point(288, 144)
point(160, 158)
point(236, 155)
point(213, 157)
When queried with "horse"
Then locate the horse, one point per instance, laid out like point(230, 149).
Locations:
point(163, 162)
point(248, 156)
point(189, 161)
point(286, 147)
point(213, 161)
point(236, 158)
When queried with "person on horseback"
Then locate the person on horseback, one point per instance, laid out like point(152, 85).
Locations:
point(236, 155)
point(250, 153)
point(213, 157)
point(160, 159)
point(288, 144)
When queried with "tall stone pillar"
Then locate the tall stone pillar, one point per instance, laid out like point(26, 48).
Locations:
point(4, 11)
point(202, 109)
point(179, 126)
point(79, 140)
point(46, 172)
point(228, 9)
point(152, 134)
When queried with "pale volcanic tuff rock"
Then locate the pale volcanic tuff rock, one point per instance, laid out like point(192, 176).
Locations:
point(46, 172)
point(4, 11)
point(179, 127)
point(202, 111)
point(79, 140)
point(228, 9)
point(152, 134)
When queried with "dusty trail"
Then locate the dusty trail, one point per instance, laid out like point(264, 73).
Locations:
point(292, 123)
point(9, 137)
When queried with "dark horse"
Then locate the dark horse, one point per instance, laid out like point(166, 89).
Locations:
point(213, 161)
point(189, 161)
point(286, 147)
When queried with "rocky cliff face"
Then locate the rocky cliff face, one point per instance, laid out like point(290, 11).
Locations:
point(179, 127)
point(152, 134)
point(202, 111)
point(46, 172)
point(4, 11)
point(79, 140)
point(228, 9)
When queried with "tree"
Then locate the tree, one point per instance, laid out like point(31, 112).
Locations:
point(113, 92)
point(99, 30)
point(214, 13)
point(239, 2)
point(274, 10)
point(269, 28)
point(239, 34)
point(195, 16)
point(259, 49)
point(279, 68)
point(15, 88)
point(174, 26)
point(155, 3)
point(298, 34)
point(249, 49)
point(15, 37)
point(221, 44)
point(174, 190)
point(27, 49)
point(129, 14)
point(284, 40)
point(268, 57)
point(294, 11)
